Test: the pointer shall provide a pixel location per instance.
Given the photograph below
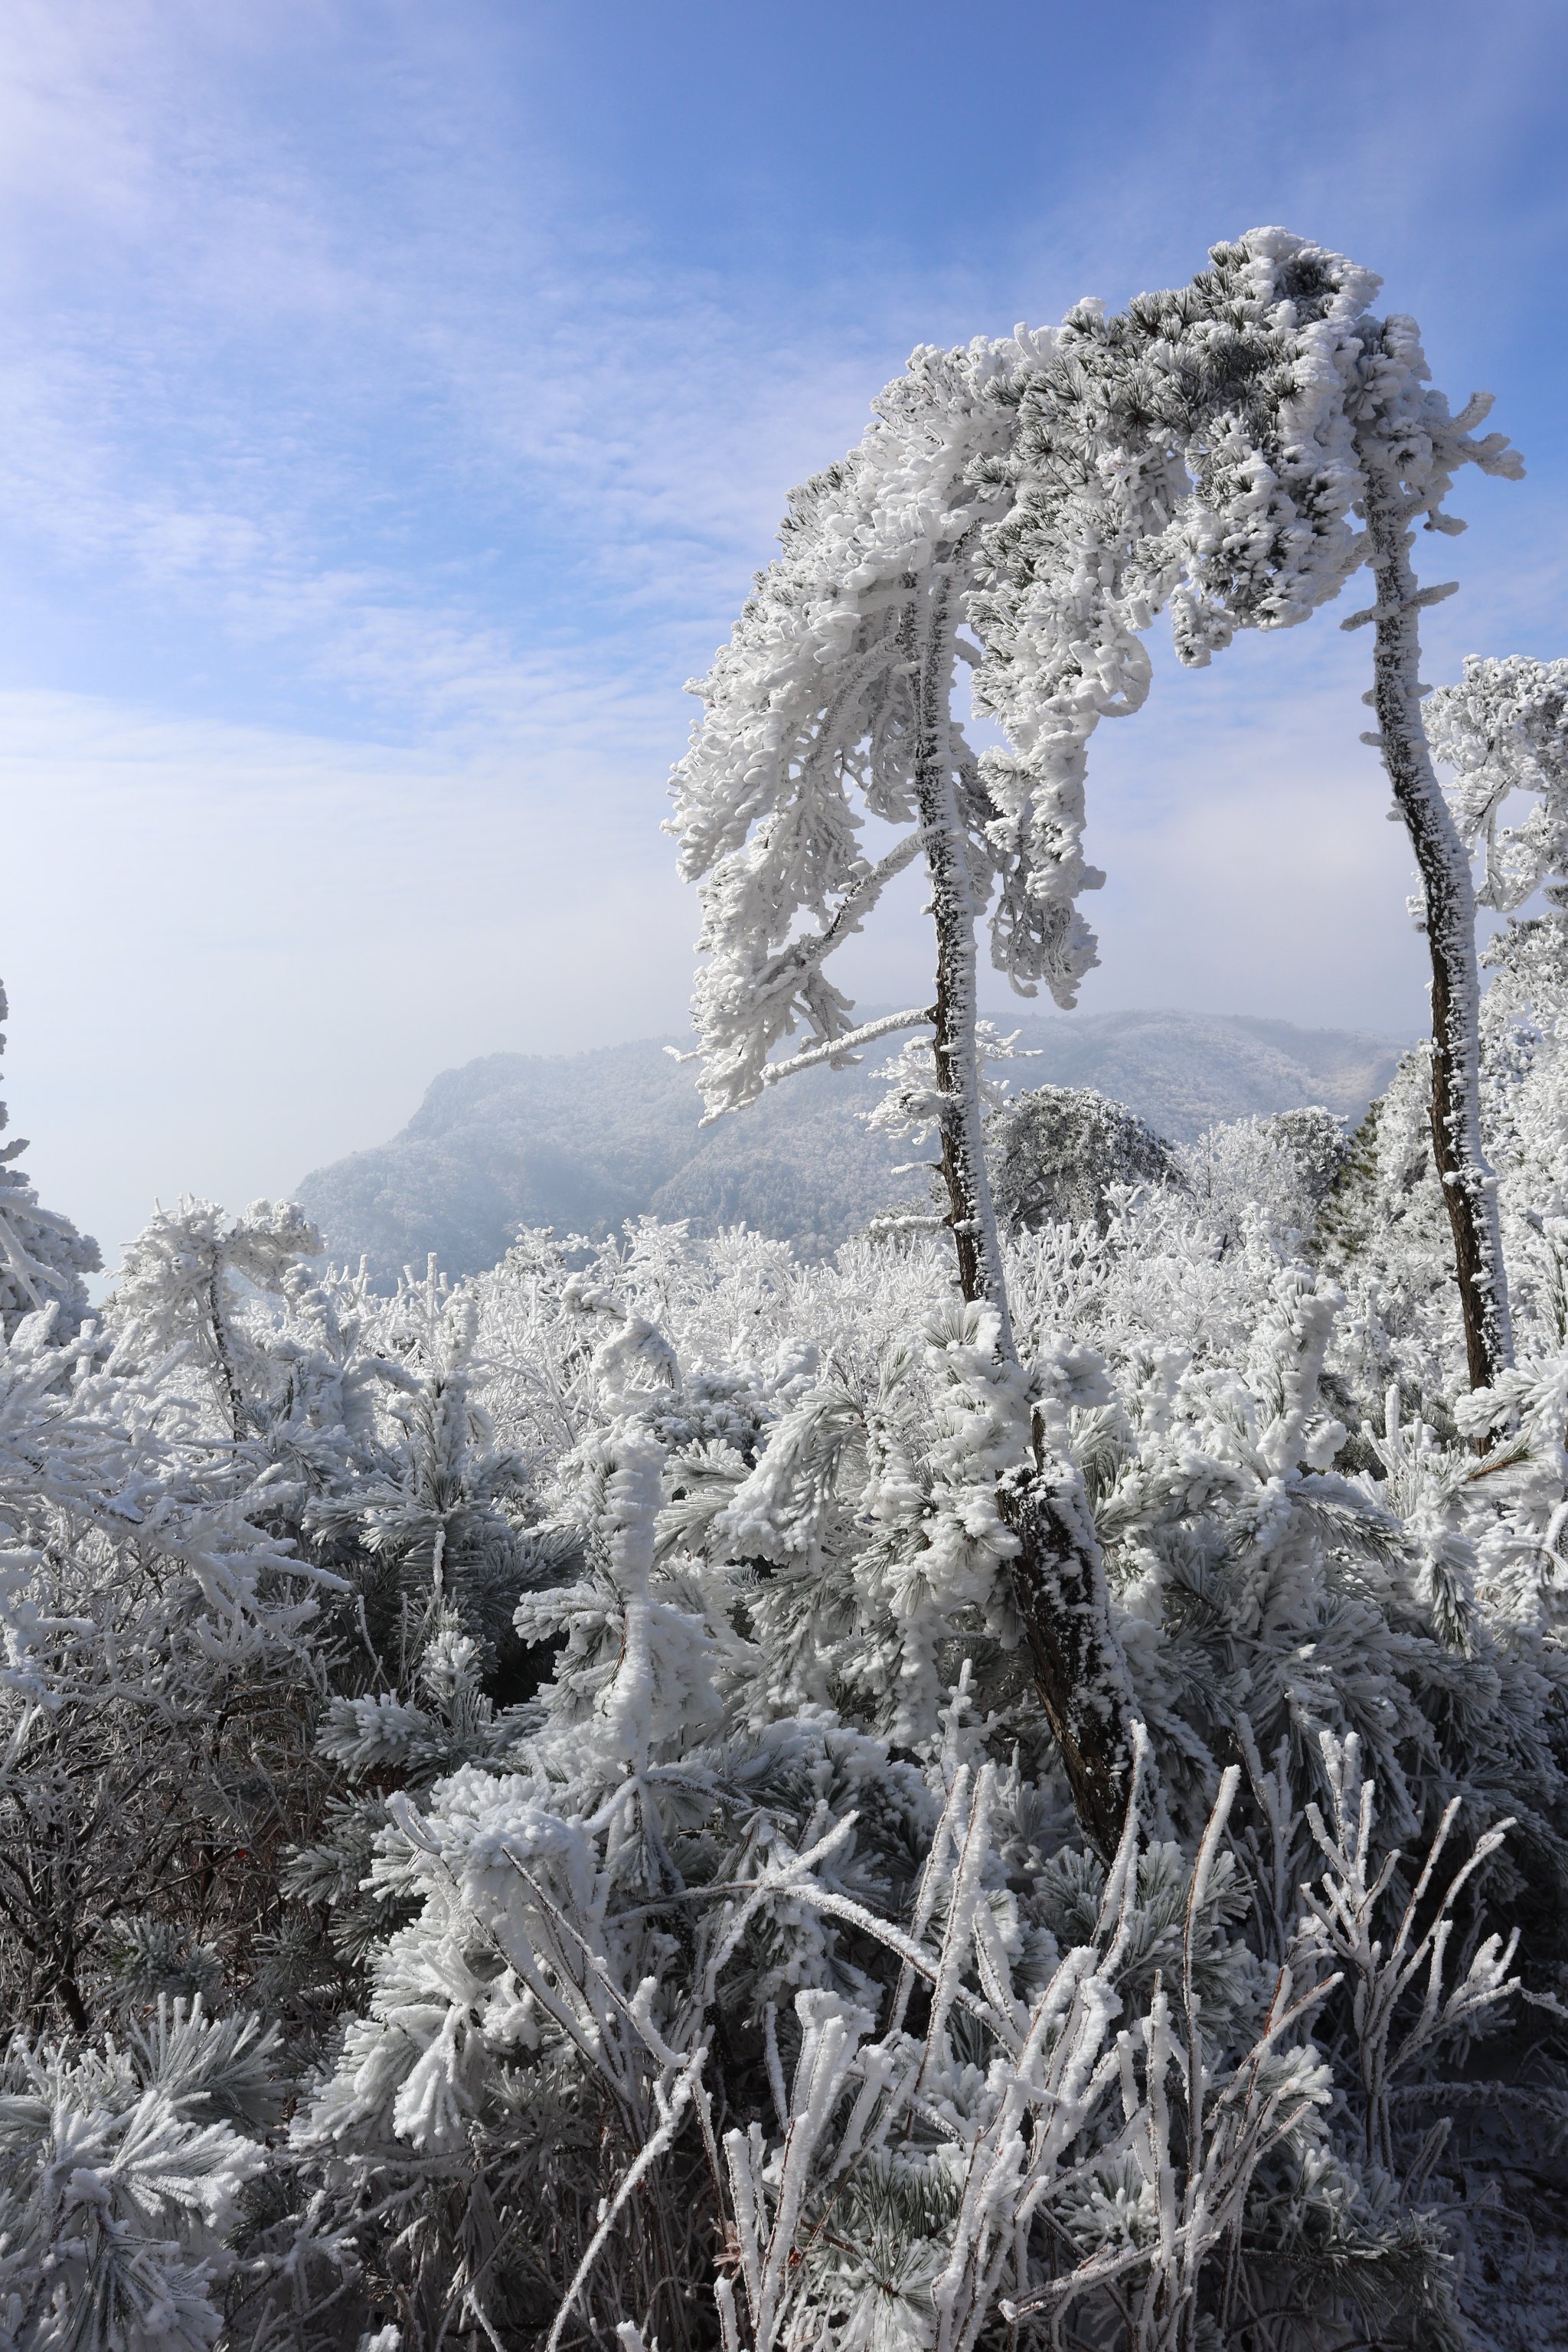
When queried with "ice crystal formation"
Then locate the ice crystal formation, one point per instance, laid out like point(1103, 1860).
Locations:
point(1004, 1782)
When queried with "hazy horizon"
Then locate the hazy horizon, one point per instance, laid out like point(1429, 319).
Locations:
point(1007, 1015)
point(589, 1142)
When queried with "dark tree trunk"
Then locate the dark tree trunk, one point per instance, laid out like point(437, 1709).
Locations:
point(943, 838)
point(1469, 1187)
point(1058, 1576)
point(221, 1350)
point(1059, 1579)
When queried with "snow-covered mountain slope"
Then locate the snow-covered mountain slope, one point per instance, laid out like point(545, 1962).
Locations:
point(582, 1141)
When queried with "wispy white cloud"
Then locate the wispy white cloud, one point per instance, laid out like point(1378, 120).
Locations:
point(394, 382)
point(457, 414)
point(373, 472)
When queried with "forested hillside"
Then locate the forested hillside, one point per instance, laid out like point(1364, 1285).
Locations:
point(584, 1141)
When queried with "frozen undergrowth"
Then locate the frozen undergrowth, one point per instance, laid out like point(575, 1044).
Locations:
point(594, 1693)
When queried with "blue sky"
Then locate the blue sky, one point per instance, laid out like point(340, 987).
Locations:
point(398, 398)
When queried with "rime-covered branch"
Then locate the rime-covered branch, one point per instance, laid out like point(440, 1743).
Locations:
point(844, 1048)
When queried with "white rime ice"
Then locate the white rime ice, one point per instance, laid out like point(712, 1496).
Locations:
point(42, 1255)
point(674, 1796)
point(1029, 506)
point(548, 1832)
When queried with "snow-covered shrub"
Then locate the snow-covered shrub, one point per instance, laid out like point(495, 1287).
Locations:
point(1056, 1151)
point(42, 1256)
point(1273, 1172)
point(123, 2170)
point(585, 1714)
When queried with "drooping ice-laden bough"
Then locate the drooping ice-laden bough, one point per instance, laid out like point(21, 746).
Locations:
point(832, 704)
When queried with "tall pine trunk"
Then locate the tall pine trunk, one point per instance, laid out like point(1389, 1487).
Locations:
point(1058, 1575)
point(1469, 1187)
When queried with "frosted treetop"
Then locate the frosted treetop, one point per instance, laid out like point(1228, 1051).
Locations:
point(1028, 505)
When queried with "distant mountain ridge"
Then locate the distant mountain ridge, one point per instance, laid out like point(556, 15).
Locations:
point(583, 1141)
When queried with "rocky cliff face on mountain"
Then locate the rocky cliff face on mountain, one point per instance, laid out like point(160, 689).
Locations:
point(583, 1141)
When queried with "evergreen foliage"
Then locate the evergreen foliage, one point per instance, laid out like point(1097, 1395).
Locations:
point(42, 1256)
point(548, 1830)
point(561, 1807)
point(1056, 1151)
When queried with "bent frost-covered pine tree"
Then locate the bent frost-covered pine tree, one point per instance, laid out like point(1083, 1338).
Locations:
point(1027, 506)
point(830, 707)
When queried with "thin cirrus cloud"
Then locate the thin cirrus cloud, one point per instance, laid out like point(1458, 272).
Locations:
point(398, 402)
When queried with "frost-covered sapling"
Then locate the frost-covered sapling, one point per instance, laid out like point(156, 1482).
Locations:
point(1209, 448)
point(183, 1280)
point(42, 1255)
point(832, 707)
point(1410, 449)
point(1503, 729)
